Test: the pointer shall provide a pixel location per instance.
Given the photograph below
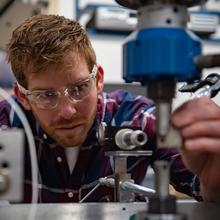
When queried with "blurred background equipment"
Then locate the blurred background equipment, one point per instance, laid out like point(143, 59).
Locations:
point(11, 165)
point(12, 13)
point(6, 76)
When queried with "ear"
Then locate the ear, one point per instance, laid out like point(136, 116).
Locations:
point(100, 79)
point(21, 97)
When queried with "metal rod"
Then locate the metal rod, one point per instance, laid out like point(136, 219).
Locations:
point(127, 185)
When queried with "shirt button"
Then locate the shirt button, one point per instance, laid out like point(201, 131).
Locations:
point(70, 194)
point(59, 159)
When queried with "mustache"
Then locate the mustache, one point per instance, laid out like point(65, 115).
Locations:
point(64, 121)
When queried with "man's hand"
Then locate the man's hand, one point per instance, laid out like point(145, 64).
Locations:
point(199, 123)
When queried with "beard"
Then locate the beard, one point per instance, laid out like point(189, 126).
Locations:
point(69, 132)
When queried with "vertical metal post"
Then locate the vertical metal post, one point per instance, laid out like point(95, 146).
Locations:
point(162, 178)
point(120, 166)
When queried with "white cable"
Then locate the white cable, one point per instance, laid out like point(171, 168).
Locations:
point(31, 143)
point(89, 193)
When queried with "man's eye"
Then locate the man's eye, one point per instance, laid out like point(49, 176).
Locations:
point(82, 86)
point(78, 88)
point(46, 95)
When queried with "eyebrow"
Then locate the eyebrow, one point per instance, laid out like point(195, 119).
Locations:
point(93, 73)
point(26, 91)
point(82, 80)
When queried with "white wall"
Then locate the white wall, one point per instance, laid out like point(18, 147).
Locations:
point(62, 7)
point(83, 3)
point(109, 55)
point(66, 8)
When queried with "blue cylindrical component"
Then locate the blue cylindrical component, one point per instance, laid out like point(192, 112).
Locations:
point(157, 53)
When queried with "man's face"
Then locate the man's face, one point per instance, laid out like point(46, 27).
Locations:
point(68, 123)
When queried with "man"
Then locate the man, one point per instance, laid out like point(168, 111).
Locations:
point(60, 88)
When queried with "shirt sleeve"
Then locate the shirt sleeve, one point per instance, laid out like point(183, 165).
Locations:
point(5, 110)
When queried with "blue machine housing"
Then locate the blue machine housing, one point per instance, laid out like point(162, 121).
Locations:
point(157, 53)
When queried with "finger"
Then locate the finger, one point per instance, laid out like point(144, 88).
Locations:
point(209, 145)
point(195, 110)
point(202, 128)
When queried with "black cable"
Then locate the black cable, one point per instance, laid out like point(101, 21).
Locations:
point(5, 6)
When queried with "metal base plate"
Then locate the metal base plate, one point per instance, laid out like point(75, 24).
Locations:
point(104, 211)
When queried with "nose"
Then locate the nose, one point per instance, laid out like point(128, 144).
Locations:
point(66, 108)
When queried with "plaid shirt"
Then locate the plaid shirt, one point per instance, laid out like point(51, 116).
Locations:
point(57, 184)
